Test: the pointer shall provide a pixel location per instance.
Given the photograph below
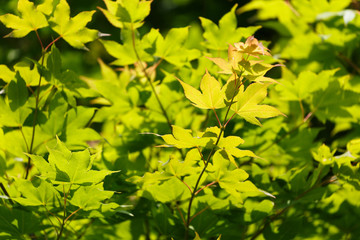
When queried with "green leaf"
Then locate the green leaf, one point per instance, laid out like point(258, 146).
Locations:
point(54, 124)
point(68, 167)
point(72, 30)
point(305, 85)
point(125, 53)
point(178, 168)
point(31, 20)
point(17, 222)
point(323, 155)
point(126, 14)
point(167, 191)
point(17, 110)
point(219, 37)
point(6, 74)
point(171, 48)
point(90, 197)
point(36, 193)
point(48, 6)
point(354, 147)
point(256, 211)
point(182, 138)
point(229, 146)
point(246, 103)
point(30, 75)
point(2, 159)
point(17, 93)
point(212, 96)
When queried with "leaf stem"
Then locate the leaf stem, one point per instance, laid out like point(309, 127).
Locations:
point(38, 37)
point(23, 136)
point(198, 213)
point(222, 129)
point(217, 118)
point(208, 185)
point(185, 184)
point(74, 212)
point(54, 41)
point(181, 215)
point(37, 97)
point(197, 185)
point(201, 155)
point(149, 80)
point(51, 222)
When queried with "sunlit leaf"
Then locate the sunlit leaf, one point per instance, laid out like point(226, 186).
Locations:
point(31, 20)
point(247, 104)
point(73, 30)
point(211, 96)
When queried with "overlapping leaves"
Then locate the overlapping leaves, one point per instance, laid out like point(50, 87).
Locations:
point(64, 166)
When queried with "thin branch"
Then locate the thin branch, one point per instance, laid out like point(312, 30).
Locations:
point(37, 97)
point(198, 213)
point(217, 118)
point(149, 80)
point(181, 215)
point(201, 155)
point(74, 212)
point(212, 152)
point(208, 185)
point(185, 184)
point(54, 41)
point(38, 37)
point(23, 136)
point(51, 222)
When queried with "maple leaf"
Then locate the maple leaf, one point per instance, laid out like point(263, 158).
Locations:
point(212, 96)
point(73, 30)
point(252, 47)
point(31, 20)
point(246, 103)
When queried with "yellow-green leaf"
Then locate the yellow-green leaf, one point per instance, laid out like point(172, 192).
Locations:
point(125, 13)
point(246, 104)
point(31, 19)
point(212, 97)
point(182, 138)
point(72, 30)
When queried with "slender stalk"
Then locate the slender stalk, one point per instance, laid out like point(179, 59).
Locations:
point(37, 98)
point(23, 136)
point(66, 194)
point(185, 184)
point(149, 80)
point(51, 222)
point(198, 213)
point(217, 118)
point(212, 152)
point(206, 186)
point(197, 185)
point(181, 215)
